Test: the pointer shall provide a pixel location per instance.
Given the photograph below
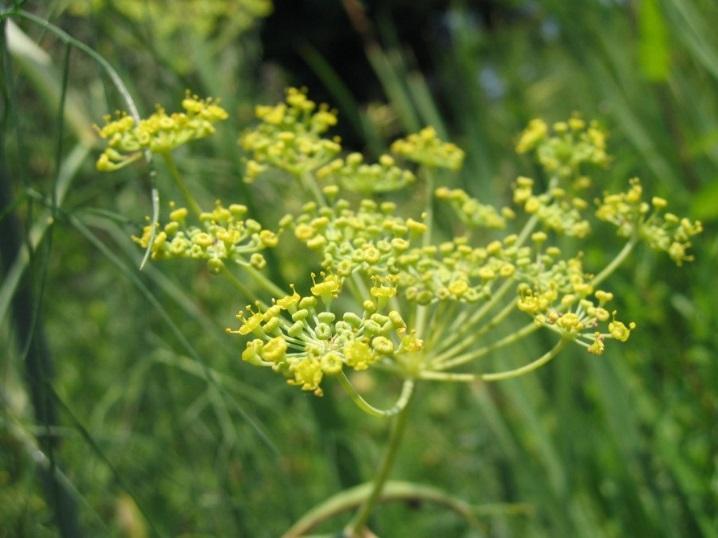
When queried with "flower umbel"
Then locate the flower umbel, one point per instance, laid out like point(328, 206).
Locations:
point(426, 148)
point(304, 340)
point(159, 133)
point(224, 234)
point(633, 216)
point(290, 136)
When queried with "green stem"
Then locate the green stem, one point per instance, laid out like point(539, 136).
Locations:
point(361, 287)
point(476, 334)
point(361, 403)
point(477, 353)
point(498, 376)
point(398, 491)
point(527, 229)
point(357, 524)
point(263, 281)
point(618, 260)
point(309, 183)
point(478, 315)
point(181, 185)
point(441, 325)
point(237, 283)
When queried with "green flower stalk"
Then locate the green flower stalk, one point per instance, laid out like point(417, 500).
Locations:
point(390, 295)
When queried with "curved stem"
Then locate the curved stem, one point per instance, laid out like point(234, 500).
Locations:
point(180, 182)
point(398, 491)
point(357, 524)
point(406, 391)
point(499, 376)
point(618, 260)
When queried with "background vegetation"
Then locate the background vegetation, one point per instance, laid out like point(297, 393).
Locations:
point(126, 411)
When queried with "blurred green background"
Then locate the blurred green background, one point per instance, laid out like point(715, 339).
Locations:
point(125, 409)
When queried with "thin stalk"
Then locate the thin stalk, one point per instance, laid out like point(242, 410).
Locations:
point(354, 289)
point(498, 376)
point(428, 175)
point(361, 287)
point(180, 182)
point(421, 310)
point(478, 315)
point(467, 342)
point(406, 391)
point(263, 281)
point(357, 524)
point(309, 183)
point(442, 315)
point(477, 353)
point(237, 283)
point(615, 263)
point(527, 229)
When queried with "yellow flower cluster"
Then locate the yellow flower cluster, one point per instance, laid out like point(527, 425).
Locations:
point(426, 148)
point(561, 298)
point(301, 338)
point(557, 208)
point(160, 133)
point(391, 263)
point(289, 137)
point(563, 149)
point(353, 174)
point(472, 212)
point(456, 271)
point(368, 239)
point(223, 234)
point(635, 217)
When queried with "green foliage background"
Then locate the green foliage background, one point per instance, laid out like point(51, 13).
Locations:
point(163, 431)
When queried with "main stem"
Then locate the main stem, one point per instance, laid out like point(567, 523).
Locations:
point(356, 526)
